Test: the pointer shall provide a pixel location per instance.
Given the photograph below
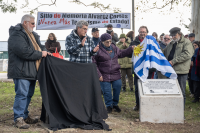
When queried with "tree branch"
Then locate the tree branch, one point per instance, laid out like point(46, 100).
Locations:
point(97, 5)
point(33, 10)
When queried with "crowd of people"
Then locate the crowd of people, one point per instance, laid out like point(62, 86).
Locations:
point(109, 52)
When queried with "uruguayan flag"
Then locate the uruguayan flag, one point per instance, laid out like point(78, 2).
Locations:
point(149, 55)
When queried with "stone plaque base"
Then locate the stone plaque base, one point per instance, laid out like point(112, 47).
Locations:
point(161, 108)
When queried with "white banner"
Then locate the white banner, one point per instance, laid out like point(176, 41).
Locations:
point(61, 21)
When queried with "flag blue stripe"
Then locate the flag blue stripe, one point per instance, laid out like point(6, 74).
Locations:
point(168, 74)
point(153, 39)
point(140, 73)
point(158, 61)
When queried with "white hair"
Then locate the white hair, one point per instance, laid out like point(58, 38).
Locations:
point(27, 17)
point(81, 23)
point(166, 35)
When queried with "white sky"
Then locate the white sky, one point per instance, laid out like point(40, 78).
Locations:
point(160, 23)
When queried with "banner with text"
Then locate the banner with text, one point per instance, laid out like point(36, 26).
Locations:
point(61, 21)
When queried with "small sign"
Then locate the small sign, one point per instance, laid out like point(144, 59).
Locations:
point(160, 86)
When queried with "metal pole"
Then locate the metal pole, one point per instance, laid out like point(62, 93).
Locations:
point(122, 30)
point(133, 15)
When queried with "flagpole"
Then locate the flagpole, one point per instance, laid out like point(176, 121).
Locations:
point(133, 16)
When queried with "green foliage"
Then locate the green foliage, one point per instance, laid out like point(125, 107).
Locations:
point(8, 7)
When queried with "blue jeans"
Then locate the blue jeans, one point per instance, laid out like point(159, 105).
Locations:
point(107, 92)
point(24, 90)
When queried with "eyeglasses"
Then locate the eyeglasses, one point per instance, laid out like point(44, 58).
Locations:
point(166, 38)
point(85, 29)
point(108, 42)
point(31, 23)
point(142, 32)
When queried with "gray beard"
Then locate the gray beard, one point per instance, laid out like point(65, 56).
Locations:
point(176, 40)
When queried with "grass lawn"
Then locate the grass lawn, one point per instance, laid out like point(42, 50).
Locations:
point(127, 102)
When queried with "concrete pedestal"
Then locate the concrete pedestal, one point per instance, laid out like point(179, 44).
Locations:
point(161, 108)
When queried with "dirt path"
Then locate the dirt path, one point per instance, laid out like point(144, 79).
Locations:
point(117, 123)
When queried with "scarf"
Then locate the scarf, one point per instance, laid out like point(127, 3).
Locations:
point(109, 50)
point(140, 39)
point(35, 45)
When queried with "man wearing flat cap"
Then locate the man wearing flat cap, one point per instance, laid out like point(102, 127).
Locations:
point(179, 53)
point(191, 37)
point(110, 31)
point(95, 36)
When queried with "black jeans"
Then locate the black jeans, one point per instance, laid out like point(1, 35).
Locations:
point(196, 89)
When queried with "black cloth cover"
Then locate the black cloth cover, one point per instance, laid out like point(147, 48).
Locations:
point(71, 94)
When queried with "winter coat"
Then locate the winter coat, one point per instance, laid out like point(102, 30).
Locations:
point(52, 45)
point(77, 52)
point(125, 62)
point(109, 68)
point(182, 56)
point(22, 55)
point(115, 38)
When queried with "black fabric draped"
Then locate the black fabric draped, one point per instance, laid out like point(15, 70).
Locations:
point(71, 94)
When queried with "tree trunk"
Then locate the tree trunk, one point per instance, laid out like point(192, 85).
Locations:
point(194, 26)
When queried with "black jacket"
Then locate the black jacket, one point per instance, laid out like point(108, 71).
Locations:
point(135, 42)
point(22, 55)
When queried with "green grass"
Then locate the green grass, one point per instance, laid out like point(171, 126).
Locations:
point(3, 71)
point(7, 97)
point(126, 103)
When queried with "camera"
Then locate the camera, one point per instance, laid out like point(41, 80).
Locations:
point(109, 31)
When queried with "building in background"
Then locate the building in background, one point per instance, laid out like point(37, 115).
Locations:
point(4, 53)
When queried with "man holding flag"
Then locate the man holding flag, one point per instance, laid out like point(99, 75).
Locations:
point(143, 31)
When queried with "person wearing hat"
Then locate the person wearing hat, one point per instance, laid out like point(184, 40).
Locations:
point(191, 37)
point(95, 36)
point(125, 63)
point(179, 52)
point(108, 70)
point(110, 31)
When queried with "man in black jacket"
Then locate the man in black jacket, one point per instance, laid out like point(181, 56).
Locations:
point(143, 31)
point(25, 53)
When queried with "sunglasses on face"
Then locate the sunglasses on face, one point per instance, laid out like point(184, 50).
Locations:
point(31, 23)
point(166, 38)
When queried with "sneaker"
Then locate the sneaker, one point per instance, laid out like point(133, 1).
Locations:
point(124, 89)
point(117, 109)
point(109, 109)
point(131, 89)
point(20, 123)
point(29, 120)
point(195, 100)
point(136, 108)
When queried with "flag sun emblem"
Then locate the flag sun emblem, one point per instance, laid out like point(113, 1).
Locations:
point(138, 50)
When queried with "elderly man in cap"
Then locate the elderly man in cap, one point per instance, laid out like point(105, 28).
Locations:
point(179, 53)
point(191, 37)
point(110, 31)
point(95, 36)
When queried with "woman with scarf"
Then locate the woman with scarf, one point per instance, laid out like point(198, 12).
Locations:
point(108, 70)
point(51, 44)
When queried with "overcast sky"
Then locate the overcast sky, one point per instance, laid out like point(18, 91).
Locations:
point(155, 21)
